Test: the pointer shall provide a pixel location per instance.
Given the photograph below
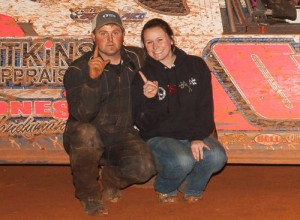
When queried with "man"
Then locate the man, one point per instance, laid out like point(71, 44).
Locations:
point(99, 130)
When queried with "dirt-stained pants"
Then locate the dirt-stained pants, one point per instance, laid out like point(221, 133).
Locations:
point(125, 156)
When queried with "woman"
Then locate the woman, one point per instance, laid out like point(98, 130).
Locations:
point(173, 109)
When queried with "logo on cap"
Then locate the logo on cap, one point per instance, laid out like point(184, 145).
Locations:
point(109, 16)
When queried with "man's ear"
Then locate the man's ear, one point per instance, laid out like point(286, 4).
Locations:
point(93, 37)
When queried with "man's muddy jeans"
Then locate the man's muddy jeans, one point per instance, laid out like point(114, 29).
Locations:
point(126, 158)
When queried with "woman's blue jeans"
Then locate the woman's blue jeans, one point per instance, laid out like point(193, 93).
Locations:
point(177, 168)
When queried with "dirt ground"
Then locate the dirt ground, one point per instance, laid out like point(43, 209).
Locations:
point(239, 192)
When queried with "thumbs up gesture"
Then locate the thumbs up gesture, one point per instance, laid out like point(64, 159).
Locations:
point(96, 65)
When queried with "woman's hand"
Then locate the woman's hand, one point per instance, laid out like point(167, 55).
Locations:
point(197, 149)
point(150, 88)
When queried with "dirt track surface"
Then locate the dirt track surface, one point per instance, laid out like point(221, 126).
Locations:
point(237, 193)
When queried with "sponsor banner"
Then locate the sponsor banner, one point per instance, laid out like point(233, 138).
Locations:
point(256, 92)
point(262, 140)
point(86, 15)
point(33, 108)
point(255, 81)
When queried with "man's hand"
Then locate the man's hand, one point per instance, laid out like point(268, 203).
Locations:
point(150, 88)
point(96, 65)
point(197, 149)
